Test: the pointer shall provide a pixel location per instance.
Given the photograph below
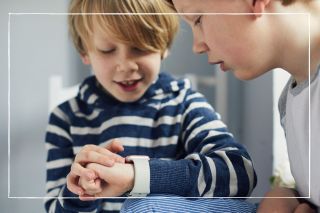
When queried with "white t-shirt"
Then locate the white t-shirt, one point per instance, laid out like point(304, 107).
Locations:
point(294, 113)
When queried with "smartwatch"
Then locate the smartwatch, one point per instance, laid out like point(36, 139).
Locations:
point(141, 166)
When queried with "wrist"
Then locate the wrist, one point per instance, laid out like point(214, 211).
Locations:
point(129, 168)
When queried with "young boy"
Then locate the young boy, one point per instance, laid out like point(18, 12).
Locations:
point(279, 39)
point(183, 147)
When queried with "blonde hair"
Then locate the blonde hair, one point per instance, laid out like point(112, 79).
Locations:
point(284, 2)
point(152, 32)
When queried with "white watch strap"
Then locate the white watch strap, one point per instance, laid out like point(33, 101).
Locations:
point(141, 176)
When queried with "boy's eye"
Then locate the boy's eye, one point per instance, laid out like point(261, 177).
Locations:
point(198, 20)
point(138, 50)
point(108, 51)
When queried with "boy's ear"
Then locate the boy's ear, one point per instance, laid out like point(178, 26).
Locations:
point(259, 6)
point(85, 59)
point(165, 54)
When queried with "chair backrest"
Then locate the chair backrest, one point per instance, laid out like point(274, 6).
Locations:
point(57, 93)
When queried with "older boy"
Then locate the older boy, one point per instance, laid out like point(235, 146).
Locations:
point(270, 41)
point(184, 149)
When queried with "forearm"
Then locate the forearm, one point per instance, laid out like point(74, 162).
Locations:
point(59, 159)
point(64, 201)
point(173, 177)
point(56, 186)
point(220, 173)
point(222, 167)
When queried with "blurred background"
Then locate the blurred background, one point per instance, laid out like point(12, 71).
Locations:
point(40, 49)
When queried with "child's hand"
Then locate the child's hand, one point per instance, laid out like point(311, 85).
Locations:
point(304, 208)
point(115, 181)
point(278, 204)
point(92, 154)
point(91, 187)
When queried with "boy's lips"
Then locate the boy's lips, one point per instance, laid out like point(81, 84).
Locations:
point(222, 65)
point(129, 85)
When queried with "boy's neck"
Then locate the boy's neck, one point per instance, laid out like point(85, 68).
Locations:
point(315, 37)
point(294, 51)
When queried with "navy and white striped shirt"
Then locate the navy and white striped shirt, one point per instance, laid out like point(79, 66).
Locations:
point(192, 153)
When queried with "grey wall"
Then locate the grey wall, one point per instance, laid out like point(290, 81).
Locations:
point(256, 128)
point(40, 48)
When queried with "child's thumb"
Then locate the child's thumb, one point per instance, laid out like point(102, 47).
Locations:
point(115, 146)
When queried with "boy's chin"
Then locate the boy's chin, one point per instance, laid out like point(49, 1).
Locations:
point(245, 75)
point(129, 99)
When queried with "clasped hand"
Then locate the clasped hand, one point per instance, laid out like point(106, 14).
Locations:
point(100, 172)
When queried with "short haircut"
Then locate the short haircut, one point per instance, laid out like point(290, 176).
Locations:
point(284, 2)
point(153, 31)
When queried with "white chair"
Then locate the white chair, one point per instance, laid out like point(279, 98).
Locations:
point(57, 93)
point(281, 165)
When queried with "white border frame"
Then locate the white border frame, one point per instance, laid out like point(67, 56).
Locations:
point(58, 14)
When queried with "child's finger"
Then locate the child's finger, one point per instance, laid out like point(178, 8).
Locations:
point(98, 155)
point(72, 184)
point(80, 171)
point(109, 150)
point(112, 155)
point(97, 188)
point(87, 197)
point(100, 170)
point(115, 146)
point(90, 187)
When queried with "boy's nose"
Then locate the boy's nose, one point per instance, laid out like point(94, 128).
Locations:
point(199, 46)
point(127, 65)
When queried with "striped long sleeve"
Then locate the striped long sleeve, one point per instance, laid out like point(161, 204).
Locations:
point(61, 151)
point(60, 155)
point(211, 163)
